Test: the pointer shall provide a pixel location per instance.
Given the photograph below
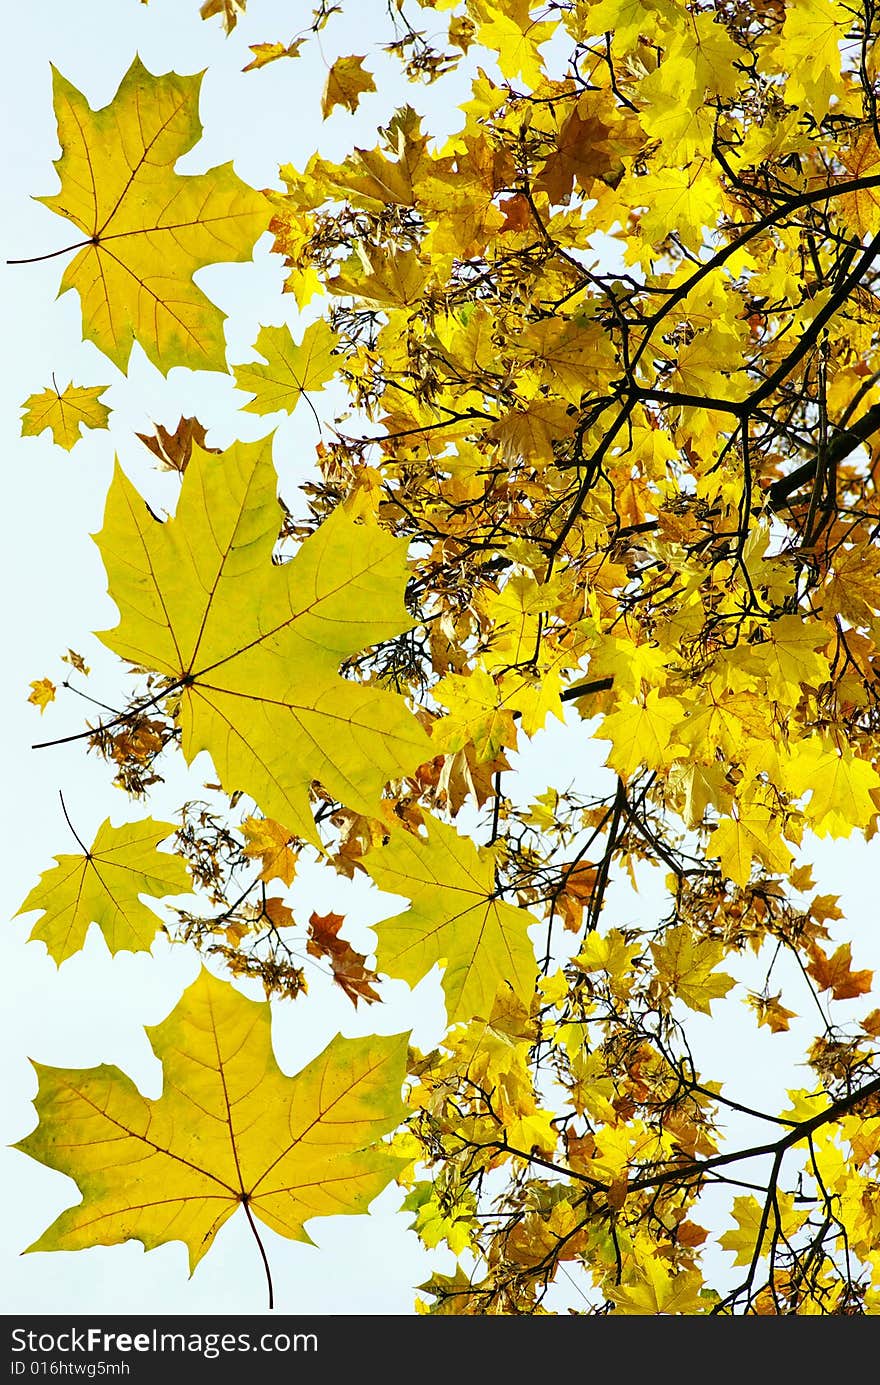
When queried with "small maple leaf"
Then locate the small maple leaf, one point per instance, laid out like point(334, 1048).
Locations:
point(230, 1129)
point(265, 53)
point(686, 964)
point(347, 81)
point(65, 412)
point(834, 973)
point(349, 970)
point(457, 918)
point(76, 661)
point(175, 449)
point(275, 912)
point(575, 892)
point(291, 370)
point(229, 10)
point(772, 1012)
point(42, 693)
point(104, 886)
point(271, 842)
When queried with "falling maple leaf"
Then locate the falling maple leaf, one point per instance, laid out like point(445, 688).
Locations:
point(146, 229)
point(346, 83)
point(255, 648)
point(104, 885)
point(349, 970)
point(66, 412)
point(457, 918)
point(229, 1130)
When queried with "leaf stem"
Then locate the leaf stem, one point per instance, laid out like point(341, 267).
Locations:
point(247, 1211)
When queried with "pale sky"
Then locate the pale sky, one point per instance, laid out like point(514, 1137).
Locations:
point(94, 1007)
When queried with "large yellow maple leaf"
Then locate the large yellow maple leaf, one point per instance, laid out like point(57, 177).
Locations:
point(104, 886)
point(230, 1130)
point(146, 229)
point(254, 646)
point(457, 918)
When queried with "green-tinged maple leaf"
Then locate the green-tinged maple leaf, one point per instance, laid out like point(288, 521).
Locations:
point(290, 370)
point(146, 229)
point(230, 1129)
point(456, 918)
point(255, 647)
point(104, 886)
point(347, 81)
point(66, 412)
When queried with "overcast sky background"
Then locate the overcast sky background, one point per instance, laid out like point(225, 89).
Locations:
point(94, 1008)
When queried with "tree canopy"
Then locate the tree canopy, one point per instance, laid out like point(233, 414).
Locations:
point(606, 456)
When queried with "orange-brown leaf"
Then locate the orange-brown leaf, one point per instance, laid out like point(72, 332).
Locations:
point(349, 970)
point(834, 973)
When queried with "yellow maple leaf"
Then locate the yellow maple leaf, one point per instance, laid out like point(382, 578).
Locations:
point(771, 1011)
point(265, 53)
point(66, 412)
point(751, 832)
point(384, 280)
point(643, 733)
point(270, 841)
point(255, 647)
point(457, 918)
point(861, 209)
point(104, 886)
point(809, 51)
point(840, 784)
point(658, 1291)
point(686, 964)
point(229, 11)
point(515, 44)
point(146, 229)
point(748, 1214)
point(291, 370)
point(476, 715)
point(42, 693)
point(229, 1130)
point(347, 81)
